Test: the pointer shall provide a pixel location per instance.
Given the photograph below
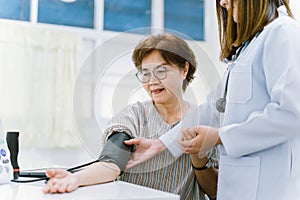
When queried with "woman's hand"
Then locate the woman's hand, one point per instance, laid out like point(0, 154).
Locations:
point(146, 149)
point(60, 181)
point(199, 140)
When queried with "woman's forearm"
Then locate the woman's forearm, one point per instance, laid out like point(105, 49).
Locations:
point(96, 173)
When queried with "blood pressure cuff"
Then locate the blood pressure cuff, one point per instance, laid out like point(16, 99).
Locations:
point(116, 151)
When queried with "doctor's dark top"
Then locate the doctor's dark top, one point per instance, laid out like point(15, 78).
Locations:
point(162, 172)
point(260, 128)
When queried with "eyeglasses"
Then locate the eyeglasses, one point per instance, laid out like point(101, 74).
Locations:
point(159, 72)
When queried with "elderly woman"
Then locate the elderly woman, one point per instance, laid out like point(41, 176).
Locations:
point(166, 66)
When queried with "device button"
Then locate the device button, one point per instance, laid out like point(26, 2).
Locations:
point(3, 152)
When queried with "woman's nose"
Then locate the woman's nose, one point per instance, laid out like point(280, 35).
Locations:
point(223, 3)
point(153, 78)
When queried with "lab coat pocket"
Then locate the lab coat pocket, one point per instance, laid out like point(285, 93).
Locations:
point(238, 178)
point(240, 85)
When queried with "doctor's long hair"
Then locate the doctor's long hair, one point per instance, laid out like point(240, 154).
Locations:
point(253, 15)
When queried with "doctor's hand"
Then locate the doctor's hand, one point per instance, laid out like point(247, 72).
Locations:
point(60, 181)
point(146, 149)
point(198, 140)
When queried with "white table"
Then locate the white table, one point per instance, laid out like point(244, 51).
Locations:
point(113, 190)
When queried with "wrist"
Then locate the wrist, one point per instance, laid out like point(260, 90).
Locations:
point(78, 180)
point(199, 162)
point(195, 157)
point(202, 164)
point(160, 146)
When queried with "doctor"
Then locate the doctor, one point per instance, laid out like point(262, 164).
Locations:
point(254, 118)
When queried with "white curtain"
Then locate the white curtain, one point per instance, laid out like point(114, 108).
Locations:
point(38, 71)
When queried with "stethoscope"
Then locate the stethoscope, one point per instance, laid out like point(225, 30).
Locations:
point(221, 102)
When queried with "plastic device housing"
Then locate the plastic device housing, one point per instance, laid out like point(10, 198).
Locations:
point(6, 171)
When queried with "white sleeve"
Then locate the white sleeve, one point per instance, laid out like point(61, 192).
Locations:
point(169, 139)
point(202, 114)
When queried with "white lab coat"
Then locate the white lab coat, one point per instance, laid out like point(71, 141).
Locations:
point(260, 129)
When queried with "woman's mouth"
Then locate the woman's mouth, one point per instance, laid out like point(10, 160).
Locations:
point(157, 91)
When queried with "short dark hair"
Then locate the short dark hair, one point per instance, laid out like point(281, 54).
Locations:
point(174, 50)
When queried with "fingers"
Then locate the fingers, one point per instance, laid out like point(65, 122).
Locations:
point(199, 139)
point(135, 141)
point(185, 145)
point(51, 186)
point(189, 133)
point(70, 188)
point(135, 159)
point(186, 140)
point(131, 163)
point(189, 146)
point(58, 186)
point(59, 182)
point(49, 173)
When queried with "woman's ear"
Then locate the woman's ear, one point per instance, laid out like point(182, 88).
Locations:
point(186, 69)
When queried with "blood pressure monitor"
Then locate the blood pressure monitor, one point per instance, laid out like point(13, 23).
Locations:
point(6, 171)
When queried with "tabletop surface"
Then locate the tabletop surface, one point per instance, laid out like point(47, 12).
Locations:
point(39, 158)
point(113, 190)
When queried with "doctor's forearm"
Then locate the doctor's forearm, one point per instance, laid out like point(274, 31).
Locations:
point(207, 178)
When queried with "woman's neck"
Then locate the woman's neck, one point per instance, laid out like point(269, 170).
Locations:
point(172, 112)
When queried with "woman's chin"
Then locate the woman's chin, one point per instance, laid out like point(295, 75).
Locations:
point(158, 101)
